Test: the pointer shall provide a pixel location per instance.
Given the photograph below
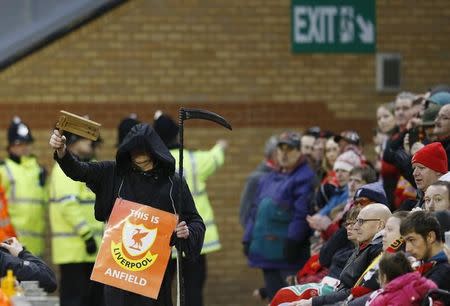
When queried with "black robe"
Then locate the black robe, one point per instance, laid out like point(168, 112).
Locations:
point(157, 188)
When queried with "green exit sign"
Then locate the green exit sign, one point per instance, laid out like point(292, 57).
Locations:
point(344, 26)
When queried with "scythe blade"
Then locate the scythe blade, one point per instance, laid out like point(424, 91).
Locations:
point(192, 113)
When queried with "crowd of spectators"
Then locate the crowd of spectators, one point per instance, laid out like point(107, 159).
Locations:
point(328, 226)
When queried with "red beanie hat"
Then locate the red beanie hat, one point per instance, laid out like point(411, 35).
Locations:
point(432, 156)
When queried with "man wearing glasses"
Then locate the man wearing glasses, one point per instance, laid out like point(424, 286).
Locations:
point(368, 227)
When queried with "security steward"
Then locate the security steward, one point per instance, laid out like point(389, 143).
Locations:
point(23, 180)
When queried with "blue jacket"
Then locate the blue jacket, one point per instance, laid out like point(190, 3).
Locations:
point(279, 214)
point(338, 198)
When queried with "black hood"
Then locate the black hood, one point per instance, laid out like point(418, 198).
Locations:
point(143, 137)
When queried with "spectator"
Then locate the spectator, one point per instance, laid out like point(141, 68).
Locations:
point(429, 163)
point(329, 184)
point(307, 143)
point(359, 176)
point(343, 165)
point(437, 196)
point(422, 234)
point(369, 280)
point(442, 127)
point(369, 237)
point(350, 140)
point(336, 251)
point(277, 234)
point(386, 118)
point(25, 266)
point(401, 286)
point(402, 113)
point(403, 104)
point(251, 186)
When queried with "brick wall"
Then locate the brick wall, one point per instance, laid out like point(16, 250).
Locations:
point(232, 57)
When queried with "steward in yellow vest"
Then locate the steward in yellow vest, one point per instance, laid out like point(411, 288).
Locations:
point(23, 180)
point(75, 232)
point(198, 166)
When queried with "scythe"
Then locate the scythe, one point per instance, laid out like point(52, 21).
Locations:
point(183, 115)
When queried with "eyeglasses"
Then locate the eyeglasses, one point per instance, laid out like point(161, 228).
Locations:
point(349, 223)
point(362, 221)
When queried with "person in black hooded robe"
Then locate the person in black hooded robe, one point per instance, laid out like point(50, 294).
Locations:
point(143, 172)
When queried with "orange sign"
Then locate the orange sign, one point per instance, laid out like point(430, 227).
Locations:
point(135, 248)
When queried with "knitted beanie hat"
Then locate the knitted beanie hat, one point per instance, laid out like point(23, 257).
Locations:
point(347, 161)
point(432, 156)
point(373, 192)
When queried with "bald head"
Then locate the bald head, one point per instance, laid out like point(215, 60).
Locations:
point(371, 219)
point(378, 211)
point(442, 122)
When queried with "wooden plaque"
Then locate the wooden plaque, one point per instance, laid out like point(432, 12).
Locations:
point(78, 125)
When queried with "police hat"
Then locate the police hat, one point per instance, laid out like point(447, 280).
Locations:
point(19, 132)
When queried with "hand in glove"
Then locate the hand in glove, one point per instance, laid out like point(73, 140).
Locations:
point(90, 245)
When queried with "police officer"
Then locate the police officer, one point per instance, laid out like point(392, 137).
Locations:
point(75, 232)
point(24, 179)
point(198, 166)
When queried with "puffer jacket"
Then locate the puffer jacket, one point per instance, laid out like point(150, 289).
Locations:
point(406, 290)
point(279, 219)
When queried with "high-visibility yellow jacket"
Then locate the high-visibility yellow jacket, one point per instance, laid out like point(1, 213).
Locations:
point(71, 218)
point(197, 167)
point(26, 201)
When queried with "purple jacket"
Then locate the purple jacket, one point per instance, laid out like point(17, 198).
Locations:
point(406, 290)
point(279, 214)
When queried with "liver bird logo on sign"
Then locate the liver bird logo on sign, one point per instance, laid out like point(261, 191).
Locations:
point(137, 239)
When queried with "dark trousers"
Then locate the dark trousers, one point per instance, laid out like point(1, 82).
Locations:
point(194, 275)
point(275, 279)
point(76, 288)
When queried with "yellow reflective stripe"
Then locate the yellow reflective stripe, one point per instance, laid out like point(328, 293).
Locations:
point(194, 173)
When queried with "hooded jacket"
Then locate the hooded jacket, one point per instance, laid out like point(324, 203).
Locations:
point(408, 289)
point(157, 188)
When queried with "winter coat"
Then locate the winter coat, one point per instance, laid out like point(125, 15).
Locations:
point(27, 267)
point(335, 252)
point(355, 267)
point(277, 231)
point(437, 269)
point(406, 290)
point(250, 190)
point(157, 188)
point(340, 197)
